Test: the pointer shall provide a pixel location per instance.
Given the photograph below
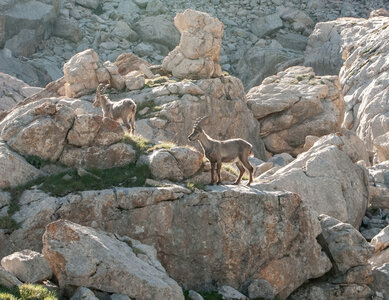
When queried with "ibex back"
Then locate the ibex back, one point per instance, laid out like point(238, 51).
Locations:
point(218, 152)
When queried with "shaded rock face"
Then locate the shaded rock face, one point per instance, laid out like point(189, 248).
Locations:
point(326, 179)
point(66, 130)
point(114, 267)
point(263, 60)
point(228, 235)
point(13, 91)
point(294, 104)
point(198, 53)
point(181, 103)
point(379, 185)
point(35, 16)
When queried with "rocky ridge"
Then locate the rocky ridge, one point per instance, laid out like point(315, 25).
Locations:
point(251, 239)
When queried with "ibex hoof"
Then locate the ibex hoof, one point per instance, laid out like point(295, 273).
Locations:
point(219, 183)
point(236, 183)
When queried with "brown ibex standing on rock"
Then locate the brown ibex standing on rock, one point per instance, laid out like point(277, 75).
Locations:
point(124, 109)
point(218, 152)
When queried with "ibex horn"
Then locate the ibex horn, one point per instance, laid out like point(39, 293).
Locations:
point(199, 120)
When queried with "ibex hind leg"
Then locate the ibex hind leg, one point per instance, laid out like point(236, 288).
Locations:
point(132, 122)
point(241, 172)
point(249, 167)
point(213, 167)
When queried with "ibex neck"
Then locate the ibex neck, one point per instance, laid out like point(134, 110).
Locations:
point(205, 140)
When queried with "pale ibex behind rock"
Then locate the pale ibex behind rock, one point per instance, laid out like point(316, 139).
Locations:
point(228, 151)
point(124, 109)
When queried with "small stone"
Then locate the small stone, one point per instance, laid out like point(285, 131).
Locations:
point(229, 293)
point(194, 295)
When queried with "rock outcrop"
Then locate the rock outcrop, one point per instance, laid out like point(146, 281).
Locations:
point(65, 130)
point(114, 266)
point(327, 179)
point(198, 53)
point(206, 232)
point(294, 104)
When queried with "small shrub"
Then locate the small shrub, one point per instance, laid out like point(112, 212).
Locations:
point(9, 224)
point(36, 161)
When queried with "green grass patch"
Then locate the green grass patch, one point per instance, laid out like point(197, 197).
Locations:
point(194, 185)
point(152, 109)
point(69, 182)
point(27, 292)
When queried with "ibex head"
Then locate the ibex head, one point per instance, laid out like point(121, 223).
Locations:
point(197, 130)
point(101, 90)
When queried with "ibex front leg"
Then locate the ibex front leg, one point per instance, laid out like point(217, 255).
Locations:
point(219, 166)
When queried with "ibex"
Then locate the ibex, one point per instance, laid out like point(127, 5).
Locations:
point(124, 109)
point(218, 152)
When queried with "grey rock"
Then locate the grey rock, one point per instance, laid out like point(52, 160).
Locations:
point(8, 280)
point(23, 43)
point(83, 293)
point(15, 170)
point(381, 279)
point(114, 267)
point(260, 289)
point(229, 293)
point(194, 295)
point(347, 246)
point(266, 25)
point(159, 29)
point(326, 179)
point(27, 265)
point(67, 29)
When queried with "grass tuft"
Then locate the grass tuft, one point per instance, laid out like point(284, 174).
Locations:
point(194, 185)
point(138, 142)
point(163, 145)
point(27, 292)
